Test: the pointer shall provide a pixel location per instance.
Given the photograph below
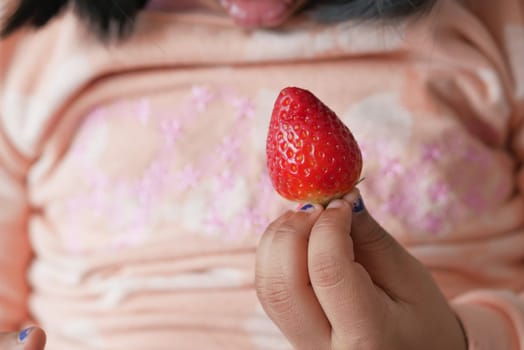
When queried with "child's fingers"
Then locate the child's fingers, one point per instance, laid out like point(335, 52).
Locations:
point(389, 264)
point(343, 287)
point(282, 281)
point(28, 339)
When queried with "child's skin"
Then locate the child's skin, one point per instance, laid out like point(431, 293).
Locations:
point(333, 279)
point(330, 278)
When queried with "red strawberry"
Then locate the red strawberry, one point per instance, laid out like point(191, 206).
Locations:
point(311, 155)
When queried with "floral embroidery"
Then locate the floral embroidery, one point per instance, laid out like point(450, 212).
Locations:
point(439, 192)
point(392, 167)
point(187, 178)
point(131, 205)
point(436, 189)
point(228, 149)
point(426, 186)
point(202, 97)
point(225, 179)
point(245, 108)
point(172, 130)
point(431, 152)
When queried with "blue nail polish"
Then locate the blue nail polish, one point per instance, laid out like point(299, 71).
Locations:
point(358, 205)
point(22, 336)
point(307, 207)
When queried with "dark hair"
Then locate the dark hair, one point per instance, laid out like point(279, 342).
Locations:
point(339, 10)
point(115, 17)
point(105, 17)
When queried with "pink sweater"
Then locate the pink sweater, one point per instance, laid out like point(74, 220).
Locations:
point(133, 188)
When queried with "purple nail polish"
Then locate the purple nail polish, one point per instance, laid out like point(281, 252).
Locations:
point(22, 336)
point(307, 207)
point(358, 205)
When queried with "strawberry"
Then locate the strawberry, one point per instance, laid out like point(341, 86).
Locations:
point(311, 155)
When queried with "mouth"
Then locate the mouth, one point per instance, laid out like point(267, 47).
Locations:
point(260, 13)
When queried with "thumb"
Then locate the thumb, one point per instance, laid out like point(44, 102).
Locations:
point(32, 338)
point(390, 266)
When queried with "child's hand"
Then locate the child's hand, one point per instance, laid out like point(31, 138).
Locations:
point(29, 339)
point(326, 289)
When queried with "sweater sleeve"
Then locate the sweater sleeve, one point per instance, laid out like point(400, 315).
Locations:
point(494, 318)
point(15, 252)
point(485, 92)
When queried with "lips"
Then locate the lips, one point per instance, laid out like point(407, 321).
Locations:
point(258, 13)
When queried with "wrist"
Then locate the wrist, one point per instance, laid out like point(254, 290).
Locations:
point(484, 327)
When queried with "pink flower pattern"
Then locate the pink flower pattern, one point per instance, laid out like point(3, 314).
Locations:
point(436, 188)
point(244, 106)
point(439, 192)
point(202, 97)
point(171, 130)
point(431, 152)
point(187, 178)
point(159, 181)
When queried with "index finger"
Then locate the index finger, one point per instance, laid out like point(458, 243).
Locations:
point(282, 282)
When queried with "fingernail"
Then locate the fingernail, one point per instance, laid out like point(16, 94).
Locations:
point(337, 203)
point(307, 207)
point(22, 336)
point(358, 205)
point(352, 196)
